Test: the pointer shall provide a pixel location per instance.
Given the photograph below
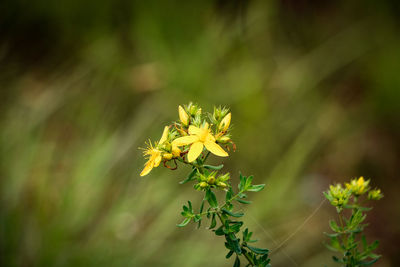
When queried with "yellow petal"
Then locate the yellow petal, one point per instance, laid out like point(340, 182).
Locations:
point(194, 130)
point(147, 168)
point(164, 135)
point(215, 149)
point(210, 138)
point(185, 140)
point(157, 160)
point(195, 151)
point(183, 116)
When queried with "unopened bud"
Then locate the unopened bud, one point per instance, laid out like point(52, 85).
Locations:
point(375, 194)
point(211, 180)
point(221, 184)
point(176, 152)
point(183, 116)
point(203, 184)
point(223, 139)
point(226, 121)
point(167, 156)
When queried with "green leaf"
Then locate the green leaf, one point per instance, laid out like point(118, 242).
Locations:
point(233, 243)
point(364, 242)
point(256, 188)
point(213, 222)
point(248, 182)
point(237, 215)
point(369, 263)
point(211, 198)
point(334, 226)
point(260, 251)
point(220, 231)
point(190, 176)
point(229, 254)
point(373, 246)
point(201, 206)
point(242, 182)
point(336, 259)
point(236, 227)
point(331, 235)
point(229, 194)
point(197, 218)
point(243, 201)
point(211, 167)
point(237, 262)
point(184, 223)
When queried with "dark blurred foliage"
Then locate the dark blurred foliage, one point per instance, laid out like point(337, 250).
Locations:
point(314, 91)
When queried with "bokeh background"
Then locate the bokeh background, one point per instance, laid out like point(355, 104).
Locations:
point(314, 88)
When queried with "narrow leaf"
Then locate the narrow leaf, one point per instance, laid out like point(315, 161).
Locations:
point(237, 215)
point(184, 223)
point(213, 222)
point(211, 167)
point(256, 188)
point(211, 198)
point(190, 176)
point(243, 201)
point(237, 262)
point(260, 251)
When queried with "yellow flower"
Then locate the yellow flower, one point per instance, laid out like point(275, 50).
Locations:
point(154, 158)
point(226, 121)
point(198, 138)
point(153, 154)
point(183, 116)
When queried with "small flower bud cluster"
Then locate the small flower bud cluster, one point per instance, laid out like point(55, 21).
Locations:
point(375, 194)
point(209, 180)
point(338, 196)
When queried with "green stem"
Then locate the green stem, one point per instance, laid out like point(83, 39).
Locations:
point(248, 259)
point(218, 209)
point(205, 158)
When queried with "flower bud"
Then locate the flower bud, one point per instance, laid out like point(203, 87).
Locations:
point(176, 152)
point(164, 136)
point(221, 184)
point(225, 122)
point(223, 139)
point(183, 116)
point(211, 180)
point(167, 156)
point(203, 184)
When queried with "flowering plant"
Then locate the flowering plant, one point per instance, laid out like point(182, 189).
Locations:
point(344, 238)
point(190, 141)
point(195, 136)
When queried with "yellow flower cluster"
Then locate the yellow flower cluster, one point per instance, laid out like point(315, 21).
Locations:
point(358, 186)
point(188, 138)
point(340, 196)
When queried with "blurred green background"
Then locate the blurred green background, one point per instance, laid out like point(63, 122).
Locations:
point(314, 88)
